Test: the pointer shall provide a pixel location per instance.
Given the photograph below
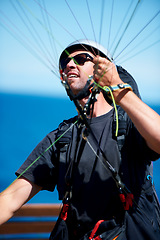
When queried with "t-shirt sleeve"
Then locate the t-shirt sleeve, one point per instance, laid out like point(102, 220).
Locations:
point(40, 166)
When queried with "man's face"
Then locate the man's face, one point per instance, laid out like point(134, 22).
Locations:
point(77, 75)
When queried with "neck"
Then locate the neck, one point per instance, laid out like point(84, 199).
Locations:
point(101, 107)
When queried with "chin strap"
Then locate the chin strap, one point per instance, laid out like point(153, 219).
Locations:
point(94, 91)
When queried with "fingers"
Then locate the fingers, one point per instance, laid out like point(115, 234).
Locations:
point(102, 69)
point(105, 72)
point(101, 63)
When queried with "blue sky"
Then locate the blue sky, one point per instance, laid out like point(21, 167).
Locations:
point(21, 71)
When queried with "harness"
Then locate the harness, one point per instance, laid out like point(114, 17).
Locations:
point(126, 199)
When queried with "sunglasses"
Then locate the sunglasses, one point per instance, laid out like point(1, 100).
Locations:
point(79, 59)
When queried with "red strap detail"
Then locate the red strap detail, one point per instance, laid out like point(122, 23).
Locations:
point(122, 197)
point(90, 90)
point(98, 238)
point(95, 230)
point(61, 71)
point(64, 212)
point(127, 201)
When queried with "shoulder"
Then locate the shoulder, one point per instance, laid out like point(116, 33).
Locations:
point(63, 131)
point(67, 122)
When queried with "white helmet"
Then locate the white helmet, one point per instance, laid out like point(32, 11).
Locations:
point(85, 44)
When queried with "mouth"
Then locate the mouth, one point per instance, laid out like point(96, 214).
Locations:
point(72, 75)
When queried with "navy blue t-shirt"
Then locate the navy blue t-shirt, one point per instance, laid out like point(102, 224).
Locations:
point(94, 195)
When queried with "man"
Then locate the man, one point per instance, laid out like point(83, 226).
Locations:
point(84, 168)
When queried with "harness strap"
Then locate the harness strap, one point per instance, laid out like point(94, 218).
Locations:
point(95, 230)
point(127, 200)
point(64, 212)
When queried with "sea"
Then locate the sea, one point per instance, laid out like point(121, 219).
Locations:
point(24, 122)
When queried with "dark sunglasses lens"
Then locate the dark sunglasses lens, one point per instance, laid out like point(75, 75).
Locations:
point(79, 59)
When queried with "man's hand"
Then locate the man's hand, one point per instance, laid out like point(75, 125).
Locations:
point(105, 72)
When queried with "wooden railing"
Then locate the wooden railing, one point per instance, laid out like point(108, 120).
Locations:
point(32, 221)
